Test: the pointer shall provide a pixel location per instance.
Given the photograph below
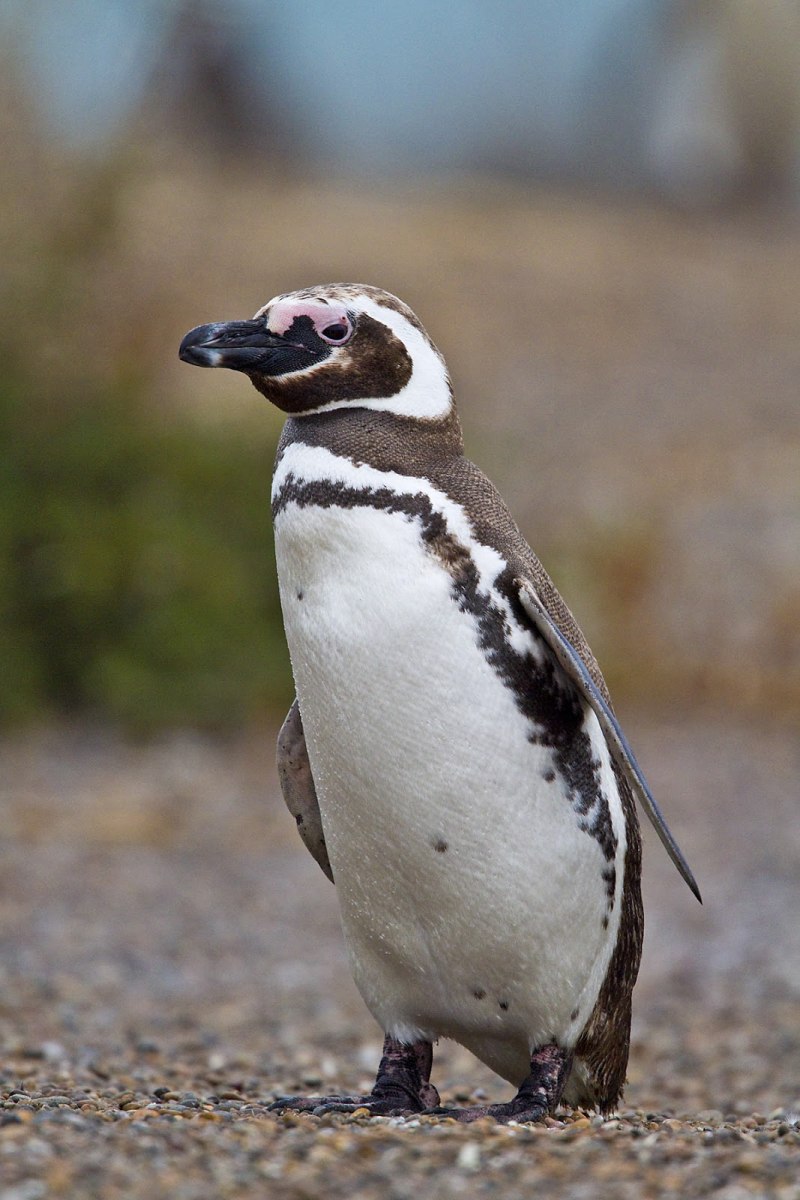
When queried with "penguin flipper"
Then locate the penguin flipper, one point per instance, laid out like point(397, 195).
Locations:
point(297, 785)
point(571, 662)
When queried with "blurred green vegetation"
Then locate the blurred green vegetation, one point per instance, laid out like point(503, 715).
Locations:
point(138, 578)
point(137, 575)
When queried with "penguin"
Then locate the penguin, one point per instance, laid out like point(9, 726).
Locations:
point(452, 757)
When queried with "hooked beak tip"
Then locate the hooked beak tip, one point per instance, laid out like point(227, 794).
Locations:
point(195, 348)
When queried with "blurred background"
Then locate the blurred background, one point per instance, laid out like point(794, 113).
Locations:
point(593, 208)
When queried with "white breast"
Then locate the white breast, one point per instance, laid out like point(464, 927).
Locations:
point(472, 903)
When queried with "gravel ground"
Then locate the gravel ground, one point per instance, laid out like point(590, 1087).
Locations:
point(171, 960)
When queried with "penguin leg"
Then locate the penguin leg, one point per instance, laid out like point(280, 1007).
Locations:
point(538, 1095)
point(402, 1087)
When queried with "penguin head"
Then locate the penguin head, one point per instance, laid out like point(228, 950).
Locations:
point(330, 347)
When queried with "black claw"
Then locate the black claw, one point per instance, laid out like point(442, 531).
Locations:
point(343, 1106)
point(305, 1103)
point(502, 1113)
point(320, 1106)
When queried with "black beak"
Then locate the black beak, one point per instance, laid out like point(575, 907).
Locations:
point(242, 345)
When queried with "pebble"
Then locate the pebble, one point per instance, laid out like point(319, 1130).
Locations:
point(710, 1116)
point(343, 1154)
point(469, 1157)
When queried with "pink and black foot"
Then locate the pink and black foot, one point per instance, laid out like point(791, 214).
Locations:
point(537, 1097)
point(402, 1088)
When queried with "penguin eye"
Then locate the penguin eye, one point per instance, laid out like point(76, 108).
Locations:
point(337, 333)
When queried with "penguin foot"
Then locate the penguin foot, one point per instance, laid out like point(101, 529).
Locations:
point(402, 1088)
point(393, 1103)
point(538, 1095)
point(319, 1105)
point(502, 1113)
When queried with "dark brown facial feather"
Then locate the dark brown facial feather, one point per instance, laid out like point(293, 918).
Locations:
point(376, 365)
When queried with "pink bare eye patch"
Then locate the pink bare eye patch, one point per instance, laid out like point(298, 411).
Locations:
point(331, 321)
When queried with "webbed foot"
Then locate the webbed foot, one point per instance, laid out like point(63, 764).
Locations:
point(538, 1095)
point(402, 1088)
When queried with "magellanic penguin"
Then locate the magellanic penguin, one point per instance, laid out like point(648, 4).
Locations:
point(452, 758)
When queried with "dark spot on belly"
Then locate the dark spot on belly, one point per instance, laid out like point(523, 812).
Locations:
point(479, 994)
point(610, 880)
point(605, 921)
point(503, 1004)
point(299, 595)
point(299, 818)
point(549, 775)
point(573, 1016)
point(440, 846)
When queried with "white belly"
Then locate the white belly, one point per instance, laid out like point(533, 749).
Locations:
point(473, 905)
